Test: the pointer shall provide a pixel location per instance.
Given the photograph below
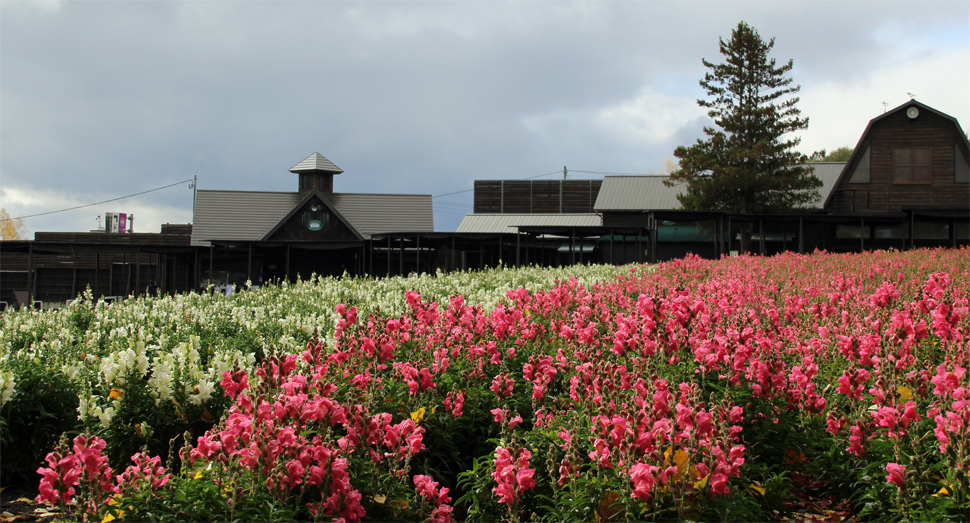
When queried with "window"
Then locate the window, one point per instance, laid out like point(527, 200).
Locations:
point(911, 165)
point(961, 170)
point(849, 232)
point(861, 172)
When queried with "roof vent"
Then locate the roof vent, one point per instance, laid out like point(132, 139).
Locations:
point(316, 173)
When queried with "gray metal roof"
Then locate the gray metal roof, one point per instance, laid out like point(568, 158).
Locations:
point(637, 193)
point(249, 215)
point(376, 213)
point(508, 222)
point(238, 215)
point(316, 162)
point(829, 173)
point(646, 193)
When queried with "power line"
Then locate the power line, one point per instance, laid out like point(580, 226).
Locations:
point(470, 190)
point(99, 203)
point(621, 174)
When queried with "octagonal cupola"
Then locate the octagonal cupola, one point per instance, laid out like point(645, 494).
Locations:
point(316, 173)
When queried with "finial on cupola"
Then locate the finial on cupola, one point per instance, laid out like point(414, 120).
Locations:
point(316, 172)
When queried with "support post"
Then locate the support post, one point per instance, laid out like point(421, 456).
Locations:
point(761, 234)
point(249, 263)
point(862, 235)
point(30, 275)
point(212, 254)
point(572, 247)
point(611, 247)
point(784, 236)
point(801, 236)
point(388, 256)
point(401, 243)
point(138, 272)
point(912, 233)
point(97, 276)
point(417, 254)
point(518, 244)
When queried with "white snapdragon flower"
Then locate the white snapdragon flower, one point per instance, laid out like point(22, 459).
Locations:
point(7, 384)
point(161, 380)
point(204, 392)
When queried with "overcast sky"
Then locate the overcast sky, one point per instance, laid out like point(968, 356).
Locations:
point(104, 99)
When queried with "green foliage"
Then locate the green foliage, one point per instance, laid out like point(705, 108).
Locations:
point(32, 421)
point(746, 166)
point(841, 154)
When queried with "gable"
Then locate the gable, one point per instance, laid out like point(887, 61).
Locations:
point(908, 157)
point(314, 219)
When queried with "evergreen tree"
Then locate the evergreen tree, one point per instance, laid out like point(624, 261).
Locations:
point(747, 164)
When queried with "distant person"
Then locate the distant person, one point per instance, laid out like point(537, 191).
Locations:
point(153, 289)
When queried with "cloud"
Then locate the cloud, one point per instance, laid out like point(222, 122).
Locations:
point(101, 99)
point(840, 111)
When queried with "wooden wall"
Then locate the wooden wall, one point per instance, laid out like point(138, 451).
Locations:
point(881, 195)
point(535, 196)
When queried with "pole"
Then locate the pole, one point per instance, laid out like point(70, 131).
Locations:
point(518, 243)
point(30, 275)
point(761, 234)
point(801, 236)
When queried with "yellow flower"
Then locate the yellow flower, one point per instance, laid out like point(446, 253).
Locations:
point(905, 394)
point(116, 394)
point(418, 415)
point(111, 513)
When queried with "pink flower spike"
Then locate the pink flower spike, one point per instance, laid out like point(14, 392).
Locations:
point(896, 474)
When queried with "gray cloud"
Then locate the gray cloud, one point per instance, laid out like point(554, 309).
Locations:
point(101, 99)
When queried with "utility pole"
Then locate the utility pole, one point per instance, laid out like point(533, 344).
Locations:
point(195, 189)
point(563, 172)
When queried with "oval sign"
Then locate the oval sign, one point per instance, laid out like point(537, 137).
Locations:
point(314, 225)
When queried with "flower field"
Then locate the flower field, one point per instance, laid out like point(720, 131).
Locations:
point(742, 389)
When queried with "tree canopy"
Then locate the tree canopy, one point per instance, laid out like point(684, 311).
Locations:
point(12, 228)
point(841, 154)
point(747, 164)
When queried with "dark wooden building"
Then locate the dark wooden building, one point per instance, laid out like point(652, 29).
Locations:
point(912, 157)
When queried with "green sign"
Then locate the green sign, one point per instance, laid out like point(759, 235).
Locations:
point(314, 225)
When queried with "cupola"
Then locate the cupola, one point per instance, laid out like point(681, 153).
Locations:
point(316, 173)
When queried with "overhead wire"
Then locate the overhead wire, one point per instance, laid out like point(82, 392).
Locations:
point(470, 190)
point(99, 203)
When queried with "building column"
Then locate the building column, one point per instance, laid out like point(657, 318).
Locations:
point(801, 236)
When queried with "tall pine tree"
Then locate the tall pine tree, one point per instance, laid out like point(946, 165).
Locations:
point(747, 164)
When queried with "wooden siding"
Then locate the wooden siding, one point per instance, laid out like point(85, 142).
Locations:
point(881, 195)
point(181, 236)
point(535, 196)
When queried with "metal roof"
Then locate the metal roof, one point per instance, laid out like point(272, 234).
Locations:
point(375, 213)
point(238, 215)
point(316, 162)
point(636, 193)
point(508, 222)
point(829, 173)
point(249, 215)
point(648, 193)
